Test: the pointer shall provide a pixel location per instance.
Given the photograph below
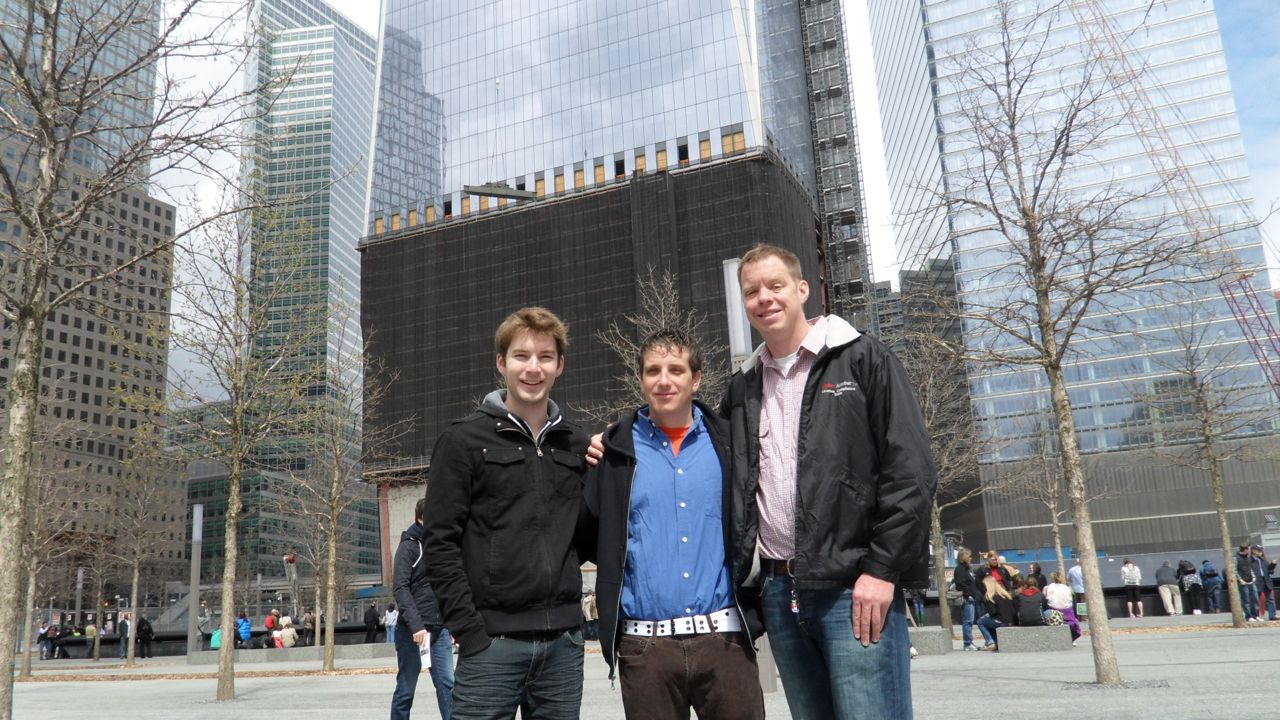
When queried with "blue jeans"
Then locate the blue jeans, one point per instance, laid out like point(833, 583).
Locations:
point(988, 626)
point(967, 613)
point(409, 666)
point(1214, 595)
point(391, 634)
point(826, 673)
point(1249, 600)
point(541, 677)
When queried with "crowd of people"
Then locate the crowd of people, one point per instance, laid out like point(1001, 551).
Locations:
point(996, 595)
point(53, 639)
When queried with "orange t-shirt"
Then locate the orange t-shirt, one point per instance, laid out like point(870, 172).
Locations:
point(676, 436)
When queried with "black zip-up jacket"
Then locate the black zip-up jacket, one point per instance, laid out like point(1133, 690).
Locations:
point(417, 601)
point(964, 582)
point(607, 506)
point(501, 511)
point(865, 476)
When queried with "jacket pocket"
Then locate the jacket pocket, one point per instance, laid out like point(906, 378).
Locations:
point(569, 469)
point(502, 475)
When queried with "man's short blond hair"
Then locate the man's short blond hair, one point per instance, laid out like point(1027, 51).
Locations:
point(535, 320)
point(764, 251)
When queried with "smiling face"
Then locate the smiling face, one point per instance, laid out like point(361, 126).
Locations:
point(668, 385)
point(530, 367)
point(775, 299)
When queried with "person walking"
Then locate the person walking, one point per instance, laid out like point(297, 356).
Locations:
point(371, 618)
point(657, 504)
point(968, 589)
point(146, 635)
point(1167, 586)
point(1131, 575)
point(420, 624)
point(502, 509)
point(590, 616)
point(1262, 571)
point(389, 620)
point(1248, 588)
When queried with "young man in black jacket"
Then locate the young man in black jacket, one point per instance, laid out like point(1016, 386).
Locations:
point(503, 496)
point(832, 473)
point(657, 504)
point(419, 622)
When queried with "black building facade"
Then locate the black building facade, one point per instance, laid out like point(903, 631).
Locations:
point(432, 295)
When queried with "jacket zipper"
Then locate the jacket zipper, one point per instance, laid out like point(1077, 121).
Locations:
point(626, 545)
point(546, 557)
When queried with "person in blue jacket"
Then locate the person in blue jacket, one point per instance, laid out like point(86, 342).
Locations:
point(1212, 585)
point(243, 630)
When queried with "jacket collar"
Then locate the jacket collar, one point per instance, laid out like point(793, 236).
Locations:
point(839, 333)
point(617, 437)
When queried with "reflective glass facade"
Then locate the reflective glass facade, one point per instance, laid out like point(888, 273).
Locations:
point(1121, 359)
point(555, 95)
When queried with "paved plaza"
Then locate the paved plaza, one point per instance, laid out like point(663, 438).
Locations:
point(1186, 669)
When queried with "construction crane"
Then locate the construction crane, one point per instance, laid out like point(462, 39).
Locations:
point(1250, 313)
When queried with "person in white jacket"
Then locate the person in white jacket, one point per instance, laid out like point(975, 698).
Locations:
point(1058, 596)
point(1132, 576)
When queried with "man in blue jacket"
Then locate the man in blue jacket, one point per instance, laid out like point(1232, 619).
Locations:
point(832, 475)
point(657, 505)
point(419, 623)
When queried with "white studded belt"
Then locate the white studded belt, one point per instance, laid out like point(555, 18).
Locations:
point(726, 620)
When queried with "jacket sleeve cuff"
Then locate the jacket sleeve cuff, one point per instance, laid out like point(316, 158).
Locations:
point(473, 640)
point(879, 570)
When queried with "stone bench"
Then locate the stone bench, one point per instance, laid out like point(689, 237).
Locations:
point(930, 640)
point(1034, 638)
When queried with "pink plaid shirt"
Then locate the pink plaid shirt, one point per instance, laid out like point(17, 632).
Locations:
point(779, 434)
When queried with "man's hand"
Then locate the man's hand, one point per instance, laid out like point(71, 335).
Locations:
point(871, 600)
point(420, 637)
point(596, 451)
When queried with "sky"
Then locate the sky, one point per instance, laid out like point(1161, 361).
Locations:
point(1250, 30)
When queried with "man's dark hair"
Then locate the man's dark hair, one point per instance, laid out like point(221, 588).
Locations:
point(420, 510)
point(670, 339)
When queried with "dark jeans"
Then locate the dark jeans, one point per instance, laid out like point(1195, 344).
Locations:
point(539, 675)
point(1215, 593)
point(826, 673)
point(370, 633)
point(144, 649)
point(715, 674)
point(409, 667)
point(1195, 599)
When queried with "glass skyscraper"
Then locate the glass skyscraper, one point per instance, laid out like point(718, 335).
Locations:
point(554, 96)
point(920, 47)
point(311, 155)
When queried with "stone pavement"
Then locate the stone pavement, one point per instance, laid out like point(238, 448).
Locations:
point(1175, 668)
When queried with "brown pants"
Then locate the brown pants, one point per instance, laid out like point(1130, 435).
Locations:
point(715, 675)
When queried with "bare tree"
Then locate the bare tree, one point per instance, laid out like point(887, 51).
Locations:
point(1056, 252)
point(931, 352)
point(45, 540)
point(249, 343)
point(660, 308)
point(1202, 413)
point(145, 491)
point(322, 496)
point(94, 100)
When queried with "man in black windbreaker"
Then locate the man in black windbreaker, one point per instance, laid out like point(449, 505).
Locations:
point(832, 475)
point(657, 504)
point(503, 495)
point(420, 623)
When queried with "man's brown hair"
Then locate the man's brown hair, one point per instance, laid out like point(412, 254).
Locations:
point(764, 251)
point(536, 320)
point(420, 510)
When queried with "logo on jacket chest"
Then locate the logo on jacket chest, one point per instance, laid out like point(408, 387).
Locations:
point(840, 388)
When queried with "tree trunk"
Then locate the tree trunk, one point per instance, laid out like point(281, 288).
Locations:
point(15, 485)
point(131, 658)
point(1057, 546)
point(1210, 453)
point(940, 565)
point(97, 617)
point(29, 621)
point(226, 653)
point(331, 594)
point(1106, 668)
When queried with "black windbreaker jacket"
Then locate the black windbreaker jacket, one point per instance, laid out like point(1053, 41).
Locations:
point(501, 512)
point(865, 479)
point(606, 506)
point(418, 607)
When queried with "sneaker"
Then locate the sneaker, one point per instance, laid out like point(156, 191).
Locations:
point(1074, 643)
point(1195, 612)
point(914, 653)
point(969, 647)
